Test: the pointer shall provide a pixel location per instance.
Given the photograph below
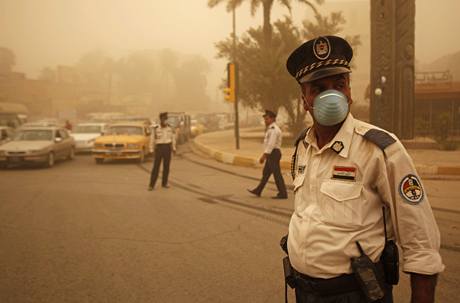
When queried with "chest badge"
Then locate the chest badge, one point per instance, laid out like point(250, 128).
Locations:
point(344, 173)
point(337, 146)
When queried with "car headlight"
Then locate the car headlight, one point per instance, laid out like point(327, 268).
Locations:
point(132, 145)
point(34, 151)
point(98, 145)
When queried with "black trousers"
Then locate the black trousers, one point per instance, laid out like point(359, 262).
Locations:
point(272, 166)
point(162, 152)
point(348, 297)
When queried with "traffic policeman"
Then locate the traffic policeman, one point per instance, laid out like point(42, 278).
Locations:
point(271, 157)
point(351, 177)
point(163, 142)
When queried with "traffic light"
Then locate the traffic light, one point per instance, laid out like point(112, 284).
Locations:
point(230, 90)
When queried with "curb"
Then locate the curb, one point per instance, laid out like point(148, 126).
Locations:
point(246, 161)
point(233, 159)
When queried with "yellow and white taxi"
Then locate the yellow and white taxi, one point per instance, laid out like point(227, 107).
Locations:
point(124, 140)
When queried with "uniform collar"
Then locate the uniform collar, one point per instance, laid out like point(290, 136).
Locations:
point(341, 141)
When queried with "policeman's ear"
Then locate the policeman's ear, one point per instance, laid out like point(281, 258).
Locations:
point(303, 92)
point(304, 102)
point(350, 99)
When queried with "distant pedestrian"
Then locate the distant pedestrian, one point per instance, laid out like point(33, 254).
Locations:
point(271, 157)
point(68, 125)
point(163, 143)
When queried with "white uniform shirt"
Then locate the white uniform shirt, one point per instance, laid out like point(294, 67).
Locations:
point(339, 194)
point(273, 138)
point(163, 135)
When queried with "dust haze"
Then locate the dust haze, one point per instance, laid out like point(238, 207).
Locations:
point(48, 34)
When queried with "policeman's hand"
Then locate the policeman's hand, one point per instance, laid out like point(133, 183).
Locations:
point(262, 159)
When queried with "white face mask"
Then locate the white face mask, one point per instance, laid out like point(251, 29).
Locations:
point(330, 107)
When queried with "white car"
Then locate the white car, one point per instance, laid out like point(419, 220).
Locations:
point(37, 145)
point(84, 135)
point(6, 134)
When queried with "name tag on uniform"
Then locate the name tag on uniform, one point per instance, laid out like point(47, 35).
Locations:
point(344, 172)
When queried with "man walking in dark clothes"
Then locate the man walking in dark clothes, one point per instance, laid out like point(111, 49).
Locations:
point(271, 157)
point(163, 142)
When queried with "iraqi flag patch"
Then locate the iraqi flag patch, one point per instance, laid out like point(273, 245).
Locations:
point(411, 189)
point(344, 172)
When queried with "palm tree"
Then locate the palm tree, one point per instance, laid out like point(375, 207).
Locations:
point(267, 6)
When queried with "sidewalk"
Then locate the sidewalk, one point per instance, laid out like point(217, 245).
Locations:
point(221, 146)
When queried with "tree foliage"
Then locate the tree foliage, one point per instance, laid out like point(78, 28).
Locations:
point(267, 6)
point(172, 79)
point(264, 80)
point(329, 25)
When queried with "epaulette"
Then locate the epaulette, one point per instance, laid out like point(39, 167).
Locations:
point(379, 137)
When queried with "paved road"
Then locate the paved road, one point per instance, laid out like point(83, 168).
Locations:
point(81, 232)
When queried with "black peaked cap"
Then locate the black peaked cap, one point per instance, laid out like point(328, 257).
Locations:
point(319, 58)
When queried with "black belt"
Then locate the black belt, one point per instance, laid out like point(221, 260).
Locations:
point(327, 287)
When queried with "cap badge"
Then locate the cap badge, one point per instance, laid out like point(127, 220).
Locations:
point(321, 48)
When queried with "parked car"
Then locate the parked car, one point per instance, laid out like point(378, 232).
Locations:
point(38, 145)
point(6, 134)
point(41, 123)
point(180, 122)
point(145, 120)
point(128, 140)
point(86, 133)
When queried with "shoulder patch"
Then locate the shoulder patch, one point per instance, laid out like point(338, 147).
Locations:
point(379, 137)
point(410, 189)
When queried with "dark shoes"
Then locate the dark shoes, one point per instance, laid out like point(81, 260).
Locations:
point(254, 192)
point(280, 197)
point(150, 188)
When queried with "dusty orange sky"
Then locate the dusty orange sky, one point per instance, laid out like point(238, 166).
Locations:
point(50, 32)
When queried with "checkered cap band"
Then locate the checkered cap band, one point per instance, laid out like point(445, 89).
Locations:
point(316, 65)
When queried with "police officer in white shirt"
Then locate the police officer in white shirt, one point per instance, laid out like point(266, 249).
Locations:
point(163, 142)
point(349, 176)
point(271, 157)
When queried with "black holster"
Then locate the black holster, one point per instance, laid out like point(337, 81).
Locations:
point(390, 262)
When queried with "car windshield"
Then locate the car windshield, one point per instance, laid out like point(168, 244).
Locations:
point(125, 130)
point(87, 129)
point(34, 135)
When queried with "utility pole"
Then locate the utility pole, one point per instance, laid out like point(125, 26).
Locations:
point(237, 120)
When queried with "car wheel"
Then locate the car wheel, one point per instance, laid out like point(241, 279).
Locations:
point(50, 160)
point(71, 154)
point(99, 160)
